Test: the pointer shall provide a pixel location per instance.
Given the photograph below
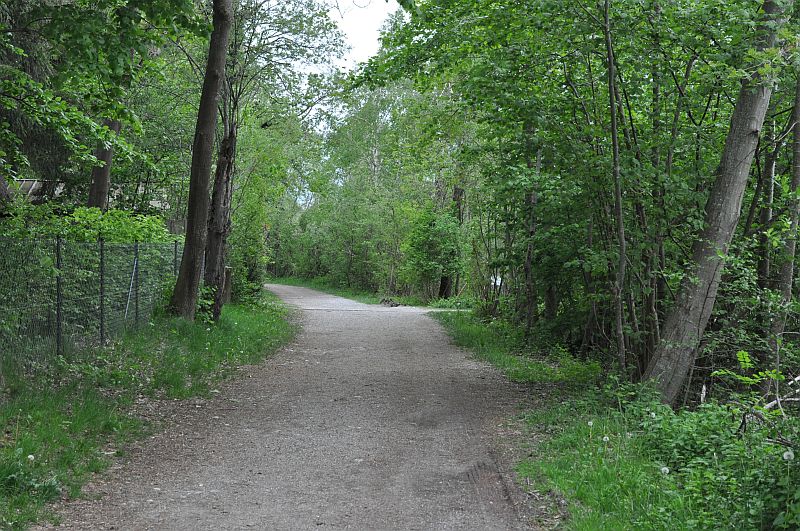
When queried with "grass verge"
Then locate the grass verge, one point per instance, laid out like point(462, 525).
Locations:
point(504, 347)
point(63, 425)
point(623, 460)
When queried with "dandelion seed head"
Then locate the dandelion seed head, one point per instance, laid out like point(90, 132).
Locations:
point(665, 470)
point(606, 439)
point(590, 423)
point(788, 455)
point(31, 457)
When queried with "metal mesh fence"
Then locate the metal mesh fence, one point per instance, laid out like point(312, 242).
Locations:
point(57, 296)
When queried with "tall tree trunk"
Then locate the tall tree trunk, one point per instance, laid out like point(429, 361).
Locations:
point(101, 175)
point(684, 327)
point(184, 297)
point(619, 283)
point(786, 272)
point(219, 218)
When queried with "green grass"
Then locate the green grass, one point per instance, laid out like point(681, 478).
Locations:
point(600, 469)
point(502, 345)
point(62, 426)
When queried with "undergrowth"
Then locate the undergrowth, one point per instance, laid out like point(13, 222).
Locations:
point(62, 426)
point(503, 345)
point(625, 461)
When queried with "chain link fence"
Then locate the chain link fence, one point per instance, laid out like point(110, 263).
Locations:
point(58, 296)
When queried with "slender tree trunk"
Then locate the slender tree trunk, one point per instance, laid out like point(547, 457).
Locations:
point(531, 293)
point(687, 321)
point(184, 297)
point(219, 219)
point(764, 218)
point(619, 283)
point(101, 175)
point(5, 191)
point(786, 272)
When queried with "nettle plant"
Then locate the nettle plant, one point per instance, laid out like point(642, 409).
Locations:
point(748, 375)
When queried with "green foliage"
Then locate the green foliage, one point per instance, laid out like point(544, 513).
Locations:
point(83, 224)
point(503, 345)
point(628, 461)
point(205, 304)
point(433, 248)
point(726, 464)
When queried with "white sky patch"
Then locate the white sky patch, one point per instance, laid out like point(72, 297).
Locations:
point(360, 21)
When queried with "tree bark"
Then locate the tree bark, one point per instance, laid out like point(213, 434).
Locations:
point(684, 327)
point(786, 271)
point(184, 297)
point(219, 219)
point(5, 191)
point(101, 175)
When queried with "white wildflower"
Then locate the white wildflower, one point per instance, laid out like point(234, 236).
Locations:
point(653, 414)
point(590, 423)
point(606, 439)
point(665, 470)
point(31, 457)
point(788, 455)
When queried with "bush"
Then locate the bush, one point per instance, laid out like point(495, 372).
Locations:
point(727, 463)
point(83, 224)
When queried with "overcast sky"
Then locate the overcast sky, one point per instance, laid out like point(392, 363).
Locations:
point(360, 21)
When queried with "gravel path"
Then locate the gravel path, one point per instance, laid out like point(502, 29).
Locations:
point(371, 419)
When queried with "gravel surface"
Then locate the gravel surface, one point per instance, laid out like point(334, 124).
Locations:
point(371, 419)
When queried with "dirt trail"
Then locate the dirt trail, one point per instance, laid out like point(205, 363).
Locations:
point(371, 419)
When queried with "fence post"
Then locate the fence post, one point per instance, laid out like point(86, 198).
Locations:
point(136, 283)
point(59, 301)
point(102, 291)
point(175, 258)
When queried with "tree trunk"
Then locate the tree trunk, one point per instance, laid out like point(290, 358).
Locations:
point(687, 321)
point(531, 292)
point(5, 191)
point(619, 283)
point(219, 219)
point(101, 175)
point(765, 216)
point(786, 272)
point(445, 287)
point(184, 297)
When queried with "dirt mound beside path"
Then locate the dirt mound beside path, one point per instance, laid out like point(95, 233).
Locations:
point(371, 419)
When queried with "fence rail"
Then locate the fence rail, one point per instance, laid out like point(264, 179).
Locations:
point(57, 296)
